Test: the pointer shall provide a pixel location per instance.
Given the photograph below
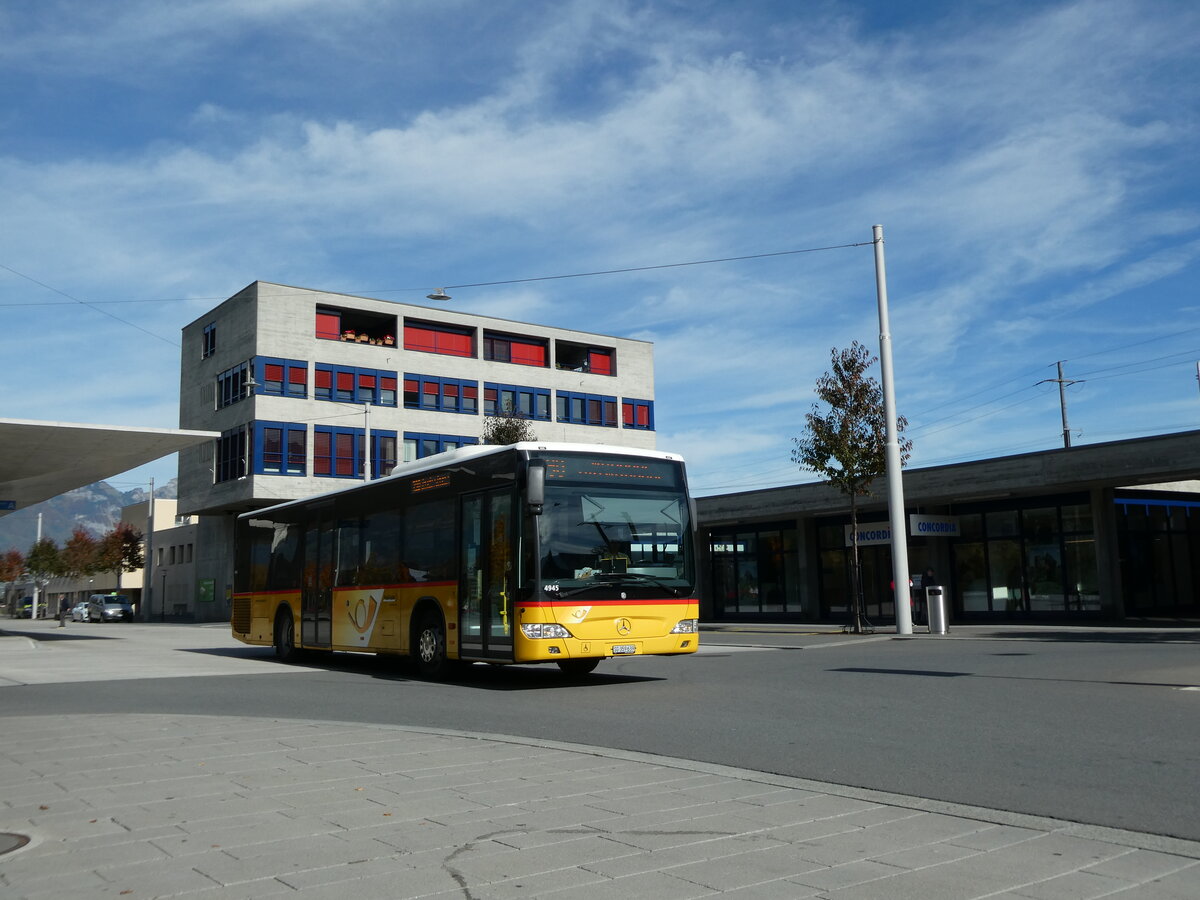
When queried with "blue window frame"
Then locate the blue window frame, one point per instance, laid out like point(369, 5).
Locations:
point(441, 394)
point(418, 445)
point(587, 409)
point(280, 448)
point(281, 377)
point(637, 414)
point(352, 384)
point(531, 402)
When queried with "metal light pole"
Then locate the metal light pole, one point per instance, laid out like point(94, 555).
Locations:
point(895, 484)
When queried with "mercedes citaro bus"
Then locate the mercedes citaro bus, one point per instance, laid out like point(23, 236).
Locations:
point(527, 553)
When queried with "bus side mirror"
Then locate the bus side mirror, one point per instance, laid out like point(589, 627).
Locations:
point(535, 486)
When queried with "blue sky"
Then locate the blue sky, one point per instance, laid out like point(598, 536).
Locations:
point(1033, 165)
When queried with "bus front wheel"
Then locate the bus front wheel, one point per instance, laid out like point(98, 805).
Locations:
point(431, 647)
point(576, 668)
point(285, 637)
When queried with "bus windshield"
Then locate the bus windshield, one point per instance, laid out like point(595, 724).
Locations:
point(596, 536)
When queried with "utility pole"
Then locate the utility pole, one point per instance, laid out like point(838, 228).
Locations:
point(1062, 400)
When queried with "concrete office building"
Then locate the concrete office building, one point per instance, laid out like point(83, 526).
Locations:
point(308, 390)
point(1100, 532)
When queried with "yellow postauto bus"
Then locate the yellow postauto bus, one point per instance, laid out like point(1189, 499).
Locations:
point(528, 553)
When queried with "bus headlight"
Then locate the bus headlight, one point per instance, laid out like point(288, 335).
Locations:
point(686, 626)
point(548, 630)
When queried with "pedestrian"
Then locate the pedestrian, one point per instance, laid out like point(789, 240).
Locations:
point(64, 607)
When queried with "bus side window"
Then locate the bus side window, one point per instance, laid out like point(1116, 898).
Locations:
point(348, 572)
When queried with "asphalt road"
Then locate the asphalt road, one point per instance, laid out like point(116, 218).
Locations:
point(1101, 727)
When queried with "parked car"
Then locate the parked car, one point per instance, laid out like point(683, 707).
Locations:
point(23, 608)
point(79, 612)
point(109, 608)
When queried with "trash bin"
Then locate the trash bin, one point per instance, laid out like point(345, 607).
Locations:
point(935, 610)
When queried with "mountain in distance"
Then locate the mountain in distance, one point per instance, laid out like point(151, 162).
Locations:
point(96, 508)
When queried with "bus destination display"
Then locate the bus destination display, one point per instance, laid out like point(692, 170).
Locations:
point(612, 470)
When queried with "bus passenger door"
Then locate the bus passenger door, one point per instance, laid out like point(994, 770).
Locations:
point(316, 615)
point(488, 571)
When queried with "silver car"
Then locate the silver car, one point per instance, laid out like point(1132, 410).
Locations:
point(79, 612)
point(109, 608)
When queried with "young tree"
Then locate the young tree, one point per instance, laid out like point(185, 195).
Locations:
point(43, 563)
point(120, 550)
point(12, 566)
point(847, 444)
point(79, 554)
point(508, 426)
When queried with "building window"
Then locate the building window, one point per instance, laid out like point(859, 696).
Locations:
point(383, 453)
point(531, 402)
point(638, 414)
point(444, 339)
point(337, 452)
point(419, 446)
point(210, 341)
point(233, 385)
point(524, 351)
point(282, 448)
point(350, 384)
point(441, 394)
point(587, 409)
point(585, 358)
point(189, 553)
point(355, 326)
point(282, 377)
point(231, 455)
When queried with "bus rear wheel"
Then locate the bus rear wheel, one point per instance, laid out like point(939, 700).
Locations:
point(285, 637)
point(577, 668)
point(430, 646)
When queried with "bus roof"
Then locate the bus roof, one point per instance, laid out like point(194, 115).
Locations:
point(473, 451)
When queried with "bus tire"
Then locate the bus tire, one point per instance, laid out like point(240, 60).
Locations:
point(285, 637)
point(577, 668)
point(429, 646)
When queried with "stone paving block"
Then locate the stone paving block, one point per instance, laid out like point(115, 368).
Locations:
point(925, 855)
point(681, 831)
point(992, 837)
point(808, 808)
point(1181, 885)
point(774, 890)
point(650, 886)
point(490, 868)
point(1073, 886)
point(746, 869)
point(573, 881)
point(671, 857)
point(846, 875)
point(889, 837)
point(263, 889)
point(240, 832)
point(151, 879)
point(402, 884)
point(1141, 865)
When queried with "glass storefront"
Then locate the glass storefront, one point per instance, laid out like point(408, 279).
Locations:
point(755, 572)
point(1035, 560)
point(1159, 544)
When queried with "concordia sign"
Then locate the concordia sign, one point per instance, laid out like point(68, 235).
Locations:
point(919, 526)
point(933, 526)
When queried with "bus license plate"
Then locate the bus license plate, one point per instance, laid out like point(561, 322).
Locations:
point(620, 649)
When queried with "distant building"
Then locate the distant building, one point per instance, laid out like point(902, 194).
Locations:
point(311, 390)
